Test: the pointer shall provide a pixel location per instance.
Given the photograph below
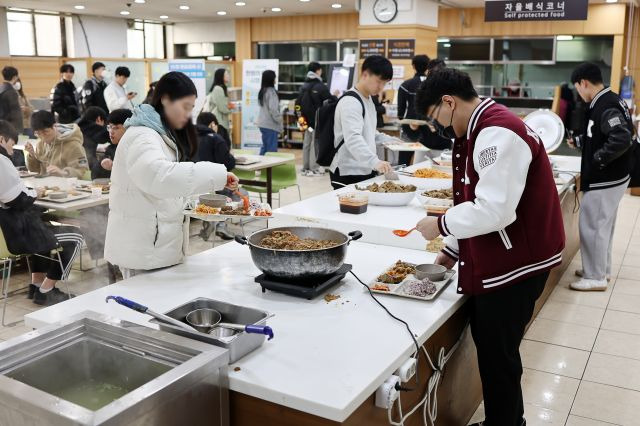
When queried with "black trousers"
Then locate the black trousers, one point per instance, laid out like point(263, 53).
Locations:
point(70, 241)
point(348, 179)
point(498, 321)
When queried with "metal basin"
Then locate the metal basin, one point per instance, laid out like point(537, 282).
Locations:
point(96, 370)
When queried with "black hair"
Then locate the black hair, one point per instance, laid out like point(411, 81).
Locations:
point(440, 82)
point(176, 85)
point(218, 80)
point(314, 66)
point(206, 118)
point(587, 71)
point(436, 63)
point(67, 68)
point(92, 113)
point(9, 72)
point(7, 131)
point(123, 71)
point(420, 63)
point(21, 90)
point(268, 80)
point(119, 116)
point(41, 120)
point(379, 66)
point(97, 65)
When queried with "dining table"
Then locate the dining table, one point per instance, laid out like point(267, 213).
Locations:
point(261, 163)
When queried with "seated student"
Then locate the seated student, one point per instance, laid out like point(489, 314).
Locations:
point(115, 126)
point(211, 145)
point(356, 137)
point(59, 151)
point(26, 233)
point(94, 133)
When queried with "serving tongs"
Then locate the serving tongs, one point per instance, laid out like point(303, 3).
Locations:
point(396, 171)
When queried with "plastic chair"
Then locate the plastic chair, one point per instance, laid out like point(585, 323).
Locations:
point(7, 258)
point(243, 174)
point(282, 177)
point(87, 176)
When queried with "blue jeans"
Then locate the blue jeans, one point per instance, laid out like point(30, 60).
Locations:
point(269, 140)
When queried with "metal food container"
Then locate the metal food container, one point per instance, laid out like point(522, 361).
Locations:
point(239, 344)
point(97, 370)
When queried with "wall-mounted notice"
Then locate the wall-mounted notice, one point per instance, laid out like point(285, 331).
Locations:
point(401, 48)
point(194, 69)
point(522, 10)
point(372, 47)
point(251, 78)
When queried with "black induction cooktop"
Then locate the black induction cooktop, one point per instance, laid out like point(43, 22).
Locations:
point(307, 288)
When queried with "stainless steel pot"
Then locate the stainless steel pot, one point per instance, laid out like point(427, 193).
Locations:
point(299, 264)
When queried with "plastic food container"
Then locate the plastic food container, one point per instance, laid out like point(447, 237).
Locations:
point(353, 203)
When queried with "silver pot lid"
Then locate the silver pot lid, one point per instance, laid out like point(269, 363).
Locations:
point(548, 126)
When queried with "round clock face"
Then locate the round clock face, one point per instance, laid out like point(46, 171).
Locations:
point(385, 10)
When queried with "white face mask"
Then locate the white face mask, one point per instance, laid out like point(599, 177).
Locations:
point(17, 85)
point(106, 74)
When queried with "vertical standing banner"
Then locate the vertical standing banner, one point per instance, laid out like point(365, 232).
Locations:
point(251, 78)
point(194, 69)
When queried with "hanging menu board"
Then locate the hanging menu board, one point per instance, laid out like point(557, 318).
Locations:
point(527, 10)
point(373, 47)
point(402, 48)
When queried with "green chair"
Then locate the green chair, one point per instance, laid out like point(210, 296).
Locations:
point(7, 258)
point(243, 174)
point(87, 176)
point(282, 177)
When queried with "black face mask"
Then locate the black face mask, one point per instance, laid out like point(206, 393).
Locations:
point(447, 132)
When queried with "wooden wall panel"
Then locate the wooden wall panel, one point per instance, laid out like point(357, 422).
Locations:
point(38, 75)
point(341, 26)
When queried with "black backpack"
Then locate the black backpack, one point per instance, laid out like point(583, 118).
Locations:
point(323, 136)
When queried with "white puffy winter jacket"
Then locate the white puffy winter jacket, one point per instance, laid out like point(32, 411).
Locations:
point(148, 190)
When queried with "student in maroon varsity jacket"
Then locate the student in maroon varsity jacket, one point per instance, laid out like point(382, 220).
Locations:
point(505, 228)
point(606, 144)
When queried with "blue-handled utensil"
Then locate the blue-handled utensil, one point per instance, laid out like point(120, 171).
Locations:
point(145, 310)
point(249, 328)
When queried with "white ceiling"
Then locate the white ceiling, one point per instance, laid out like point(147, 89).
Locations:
point(199, 9)
point(205, 9)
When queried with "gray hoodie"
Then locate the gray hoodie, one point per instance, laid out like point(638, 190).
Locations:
point(270, 116)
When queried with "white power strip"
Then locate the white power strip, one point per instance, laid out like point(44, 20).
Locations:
point(407, 370)
point(387, 394)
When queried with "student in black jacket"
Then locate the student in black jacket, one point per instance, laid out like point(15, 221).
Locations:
point(26, 233)
point(212, 146)
point(115, 127)
point(607, 144)
point(9, 99)
point(93, 89)
point(94, 133)
point(64, 101)
point(407, 95)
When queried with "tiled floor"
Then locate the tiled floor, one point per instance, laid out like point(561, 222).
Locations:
point(581, 354)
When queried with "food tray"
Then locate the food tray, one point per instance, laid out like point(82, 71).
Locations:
point(396, 289)
point(246, 161)
point(26, 174)
point(69, 198)
point(87, 188)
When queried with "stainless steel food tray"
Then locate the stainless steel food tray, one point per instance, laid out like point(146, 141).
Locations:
point(396, 289)
point(239, 344)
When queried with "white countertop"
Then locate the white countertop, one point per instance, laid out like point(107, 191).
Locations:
point(326, 358)
point(378, 222)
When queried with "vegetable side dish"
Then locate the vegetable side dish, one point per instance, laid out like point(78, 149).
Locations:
point(397, 273)
point(388, 187)
point(286, 240)
point(443, 194)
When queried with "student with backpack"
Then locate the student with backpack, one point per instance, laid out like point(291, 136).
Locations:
point(312, 96)
point(355, 136)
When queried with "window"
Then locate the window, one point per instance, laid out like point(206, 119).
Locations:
point(520, 49)
point(465, 49)
point(21, 34)
point(38, 34)
point(145, 40)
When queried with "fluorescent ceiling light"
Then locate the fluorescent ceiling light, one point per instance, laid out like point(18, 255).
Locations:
point(221, 12)
point(240, 3)
point(564, 38)
point(276, 9)
point(336, 5)
point(164, 17)
point(140, 1)
point(443, 40)
point(124, 12)
point(184, 7)
point(612, 1)
point(447, 45)
point(305, 1)
point(79, 7)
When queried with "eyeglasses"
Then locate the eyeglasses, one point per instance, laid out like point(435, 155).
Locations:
point(433, 121)
point(111, 127)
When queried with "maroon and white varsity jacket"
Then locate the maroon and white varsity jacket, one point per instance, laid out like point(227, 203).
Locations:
point(506, 223)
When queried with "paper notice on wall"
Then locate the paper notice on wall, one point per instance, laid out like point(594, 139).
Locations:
point(251, 78)
point(194, 69)
point(398, 71)
point(393, 84)
point(349, 60)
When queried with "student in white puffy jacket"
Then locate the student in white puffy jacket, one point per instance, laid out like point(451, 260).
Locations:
point(152, 174)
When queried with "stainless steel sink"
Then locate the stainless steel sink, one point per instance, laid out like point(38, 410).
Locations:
point(238, 344)
point(96, 370)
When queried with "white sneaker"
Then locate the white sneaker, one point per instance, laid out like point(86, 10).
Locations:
point(317, 172)
point(585, 284)
point(580, 273)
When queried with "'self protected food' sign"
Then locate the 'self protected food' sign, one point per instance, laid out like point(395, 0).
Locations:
point(547, 10)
